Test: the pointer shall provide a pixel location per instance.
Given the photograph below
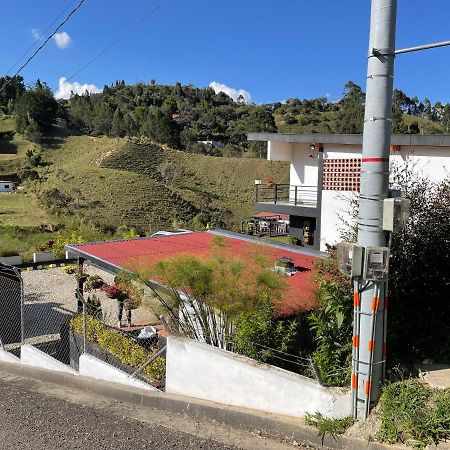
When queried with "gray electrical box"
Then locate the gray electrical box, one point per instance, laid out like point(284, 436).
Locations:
point(349, 258)
point(376, 264)
point(395, 213)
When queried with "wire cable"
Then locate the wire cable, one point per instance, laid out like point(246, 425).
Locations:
point(50, 36)
point(115, 42)
point(38, 39)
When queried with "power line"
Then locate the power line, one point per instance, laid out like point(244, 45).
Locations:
point(114, 43)
point(49, 37)
point(38, 39)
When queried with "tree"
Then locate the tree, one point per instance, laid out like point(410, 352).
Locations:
point(209, 296)
point(162, 128)
point(420, 274)
point(11, 88)
point(350, 117)
point(36, 109)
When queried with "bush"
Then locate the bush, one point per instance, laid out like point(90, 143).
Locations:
point(414, 414)
point(331, 323)
point(420, 278)
point(120, 346)
point(260, 336)
point(326, 425)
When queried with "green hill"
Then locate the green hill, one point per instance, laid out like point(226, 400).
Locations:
point(105, 183)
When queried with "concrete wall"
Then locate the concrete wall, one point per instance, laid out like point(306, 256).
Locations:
point(8, 357)
point(279, 151)
point(199, 370)
point(428, 162)
point(336, 209)
point(11, 260)
point(95, 368)
point(32, 356)
point(43, 257)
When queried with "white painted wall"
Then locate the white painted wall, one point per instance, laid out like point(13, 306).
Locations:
point(43, 257)
point(93, 367)
point(335, 210)
point(279, 151)
point(32, 356)
point(8, 357)
point(11, 260)
point(199, 370)
point(6, 186)
point(428, 162)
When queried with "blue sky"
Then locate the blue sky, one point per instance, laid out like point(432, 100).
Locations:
point(272, 49)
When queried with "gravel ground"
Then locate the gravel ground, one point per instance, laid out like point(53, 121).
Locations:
point(33, 421)
point(50, 299)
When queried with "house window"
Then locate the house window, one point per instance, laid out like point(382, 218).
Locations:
point(342, 174)
point(6, 186)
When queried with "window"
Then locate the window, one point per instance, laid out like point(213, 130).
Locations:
point(342, 174)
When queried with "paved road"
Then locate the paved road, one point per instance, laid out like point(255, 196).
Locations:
point(30, 420)
point(37, 416)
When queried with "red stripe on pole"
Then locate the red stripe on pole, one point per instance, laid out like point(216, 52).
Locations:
point(364, 160)
point(354, 381)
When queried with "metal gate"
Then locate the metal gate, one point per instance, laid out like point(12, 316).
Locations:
point(11, 305)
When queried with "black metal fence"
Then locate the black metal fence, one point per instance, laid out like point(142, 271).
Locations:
point(287, 194)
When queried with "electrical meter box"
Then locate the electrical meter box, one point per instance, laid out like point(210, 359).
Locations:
point(349, 258)
point(376, 264)
point(395, 213)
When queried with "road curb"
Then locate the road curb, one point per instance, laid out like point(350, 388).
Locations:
point(288, 429)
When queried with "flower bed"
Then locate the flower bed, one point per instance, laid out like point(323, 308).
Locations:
point(115, 348)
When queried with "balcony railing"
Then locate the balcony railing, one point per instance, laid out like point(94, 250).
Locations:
point(286, 194)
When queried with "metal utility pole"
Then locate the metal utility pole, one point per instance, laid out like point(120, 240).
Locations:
point(371, 296)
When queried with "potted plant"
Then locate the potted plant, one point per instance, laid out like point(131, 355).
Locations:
point(94, 282)
point(80, 275)
point(44, 253)
point(270, 181)
point(113, 291)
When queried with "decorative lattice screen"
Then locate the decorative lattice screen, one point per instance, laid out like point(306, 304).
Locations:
point(342, 174)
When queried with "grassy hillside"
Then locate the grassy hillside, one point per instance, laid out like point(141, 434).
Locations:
point(12, 148)
point(104, 183)
point(122, 182)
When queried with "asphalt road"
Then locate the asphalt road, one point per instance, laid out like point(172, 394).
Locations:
point(38, 416)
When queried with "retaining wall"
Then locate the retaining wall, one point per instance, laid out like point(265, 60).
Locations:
point(199, 370)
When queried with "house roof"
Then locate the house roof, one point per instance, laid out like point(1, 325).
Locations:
point(413, 140)
point(132, 253)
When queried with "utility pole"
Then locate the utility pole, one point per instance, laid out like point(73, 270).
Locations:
point(370, 297)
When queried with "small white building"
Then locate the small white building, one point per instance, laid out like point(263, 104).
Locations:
point(325, 173)
point(7, 186)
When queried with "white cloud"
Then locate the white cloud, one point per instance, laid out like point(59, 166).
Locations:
point(62, 39)
point(36, 34)
point(233, 93)
point(65, 89)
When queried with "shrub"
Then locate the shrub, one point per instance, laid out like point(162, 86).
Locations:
point(260, 336)
point(6, 252)
point(70, 269)
point(120, 346)
point(94, 282)
point(62, 239)
point(327, 425)
point(420, 277)
point(414, 414)
point(331, 323)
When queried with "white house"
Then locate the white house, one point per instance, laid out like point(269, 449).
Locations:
point(7, 186)
point(325, 174)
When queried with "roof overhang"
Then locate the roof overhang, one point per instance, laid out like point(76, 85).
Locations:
point(410, 140)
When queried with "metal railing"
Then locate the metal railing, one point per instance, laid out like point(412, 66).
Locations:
point(287, 194)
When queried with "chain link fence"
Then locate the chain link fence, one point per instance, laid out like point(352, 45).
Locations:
point(118, 325)
point(42, 308)
point(11, 305)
